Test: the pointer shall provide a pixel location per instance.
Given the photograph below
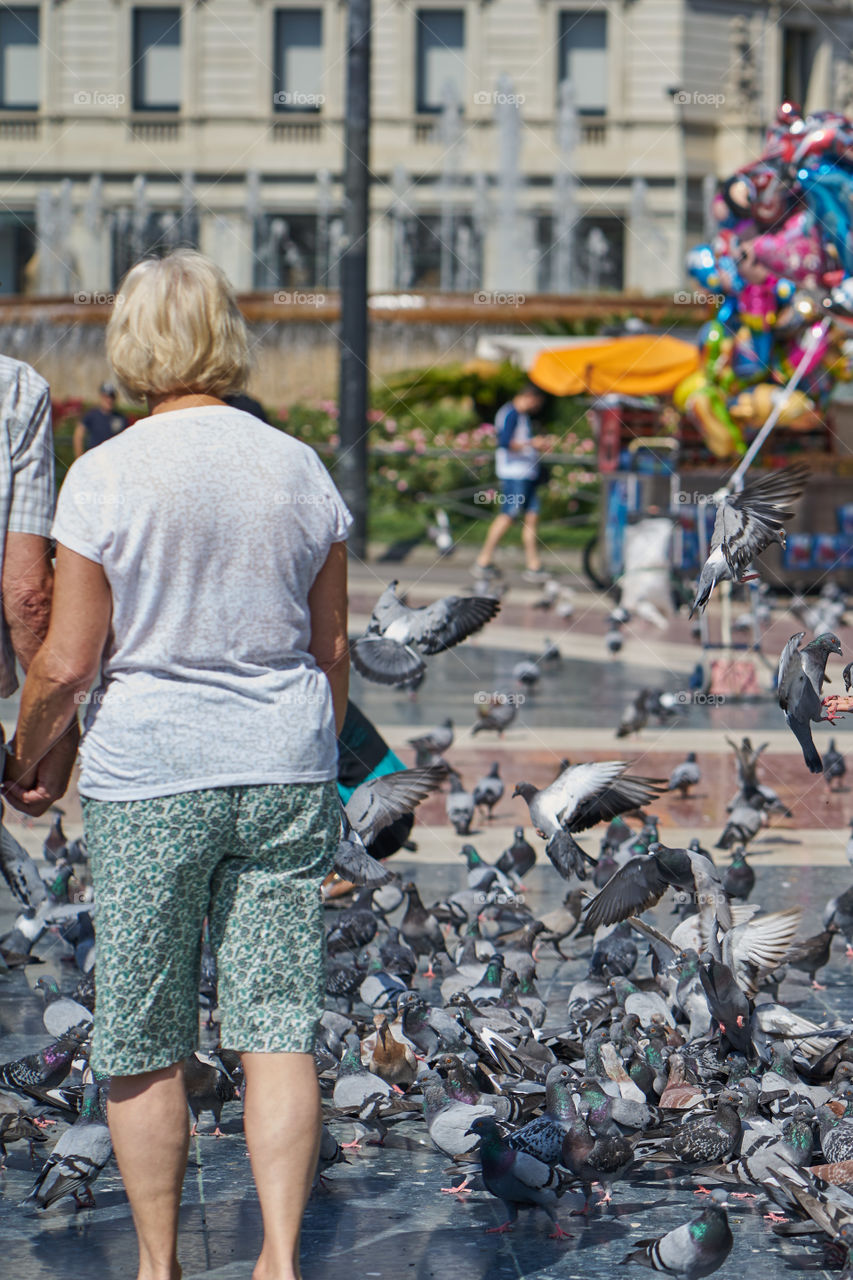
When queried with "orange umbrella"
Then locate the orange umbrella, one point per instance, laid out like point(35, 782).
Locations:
point(641, 365)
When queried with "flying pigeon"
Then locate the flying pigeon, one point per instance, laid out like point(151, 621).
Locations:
point(388, 652)
point(585, 794)
point(373, 806)
point(643, 881)
point(746, 524)
point(802, 673)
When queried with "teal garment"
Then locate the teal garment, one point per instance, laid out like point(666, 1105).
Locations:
point(388, 764)
point(249, 858)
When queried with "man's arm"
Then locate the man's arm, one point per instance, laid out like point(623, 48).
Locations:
point(27, 588)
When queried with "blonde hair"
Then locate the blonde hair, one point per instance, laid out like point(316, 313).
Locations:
point(176, 327)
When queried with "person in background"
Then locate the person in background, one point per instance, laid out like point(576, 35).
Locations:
point(242, 400)
point(519, 470)
point(99, 424)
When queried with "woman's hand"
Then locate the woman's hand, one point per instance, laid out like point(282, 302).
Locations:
point(34, 788)
point(836, 704)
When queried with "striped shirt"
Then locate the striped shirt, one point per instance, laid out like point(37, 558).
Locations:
point(26, 475)
point(518, 464)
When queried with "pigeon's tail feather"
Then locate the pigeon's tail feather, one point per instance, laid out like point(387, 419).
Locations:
point(802, 732)
point(357, 865)
point(385, 661)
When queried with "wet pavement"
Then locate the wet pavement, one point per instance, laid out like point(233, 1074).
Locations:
point(383, 1214)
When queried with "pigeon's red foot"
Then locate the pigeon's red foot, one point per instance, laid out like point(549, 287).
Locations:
point(355, 1145)
point(194, 1130)
point(817, 986)
point(775, 1217)
point(430, 972)
point(217, 1132)
point(702, 1191)
point(849, 952)
point(559, 1234)
point(41, 1123)
point(462, 1190)
point(498, 1231)
point(742, 1195)
point(607, 1198)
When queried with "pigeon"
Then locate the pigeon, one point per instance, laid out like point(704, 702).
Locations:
point(833, 765)
point(585, 794)
point(17, 1126)
point(435, 743)
point(208, 1088)
point(459, 805)
point(55, 842)
point(801, 675)
point(79, 1156)
point(848, 848)
point(812, 954)
point(496, 714)
point(489, 790)
point(391, 1059)
point(390, 650)
point(739, 879)
point(419, 927)
point(60, 1012)
point(543, 1136)
point(515, 1178)
point(613, 640)
point(527, 673)
point(449, 1120)
point(685, 775)
point(745, 525)
point(20, 871)
point(643, 881)
point(38, 1075)
point(373, 806)
point(697, 1248)
point(635, 717)
point(517, 860)
point(355, 1084)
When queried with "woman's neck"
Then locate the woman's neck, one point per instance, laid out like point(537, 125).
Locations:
point(172, 400)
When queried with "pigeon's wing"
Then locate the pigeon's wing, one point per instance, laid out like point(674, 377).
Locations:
point(385, 661)
point(446, 622)
point(790, 674)
point(577, 784)
point(750, 520)
point(379, 801)
point(846, 676)
point(709, 888)
point(650, 931)
point(620, 796)
point(633, 888)
point(760, 946)
point(531, 1172)
point(20, 871)
point(354, 863)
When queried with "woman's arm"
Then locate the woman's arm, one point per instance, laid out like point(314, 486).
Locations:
point(60, 675)
point(327, 602)
point(837, 704)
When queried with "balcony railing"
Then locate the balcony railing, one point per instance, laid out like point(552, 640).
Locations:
point(297, 130)
point(148, 130)
point(19, 128)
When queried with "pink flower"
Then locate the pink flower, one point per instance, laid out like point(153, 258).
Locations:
point(420, 447)
point(284, 414)
point(328, 406)
point(402, 486)
point(390, 426)
point(334, 441)
point(375, 415)
point(399, 446)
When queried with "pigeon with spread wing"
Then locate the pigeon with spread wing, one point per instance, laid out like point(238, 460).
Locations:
point(746, 524)
point(390, 650)
point(372, 807)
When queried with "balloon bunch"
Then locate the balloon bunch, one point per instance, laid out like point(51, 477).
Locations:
point(782, 259)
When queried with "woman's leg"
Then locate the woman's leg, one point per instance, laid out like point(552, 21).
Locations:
point(150, 1132)
point(282, 1125)
point(496, 531)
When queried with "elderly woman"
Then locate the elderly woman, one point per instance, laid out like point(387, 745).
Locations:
point(201, 582)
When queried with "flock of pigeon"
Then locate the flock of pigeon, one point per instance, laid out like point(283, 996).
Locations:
point(552, 1060)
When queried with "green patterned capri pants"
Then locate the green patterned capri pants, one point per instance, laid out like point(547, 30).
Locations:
point(250, 858)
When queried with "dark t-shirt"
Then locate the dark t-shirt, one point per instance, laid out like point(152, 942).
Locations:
point(101, 426)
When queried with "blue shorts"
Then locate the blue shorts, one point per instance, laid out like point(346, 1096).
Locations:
point(518, 497)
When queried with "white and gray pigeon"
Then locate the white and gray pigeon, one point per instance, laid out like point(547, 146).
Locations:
point(434, 743)
point(489, 790)
point(79, 1156)
point(459, 806)
point(585, 794)
point(800, 681)
point(390, 650)
point(372, 807)
point(20, 871)
point(745, 525)
point(685, 775)
point(496, 714)
point(695, 1249)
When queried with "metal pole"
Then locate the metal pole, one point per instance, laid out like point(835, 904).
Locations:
point(351, 472)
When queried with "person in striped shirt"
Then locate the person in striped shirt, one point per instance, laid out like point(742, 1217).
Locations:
point(518, 467)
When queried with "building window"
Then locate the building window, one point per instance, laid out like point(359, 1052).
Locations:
point(19, 58)
point(582, 59)
point(440, 57)
point(298, 60)
point(157, 59)
point(17, 252)
point(798, 51)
